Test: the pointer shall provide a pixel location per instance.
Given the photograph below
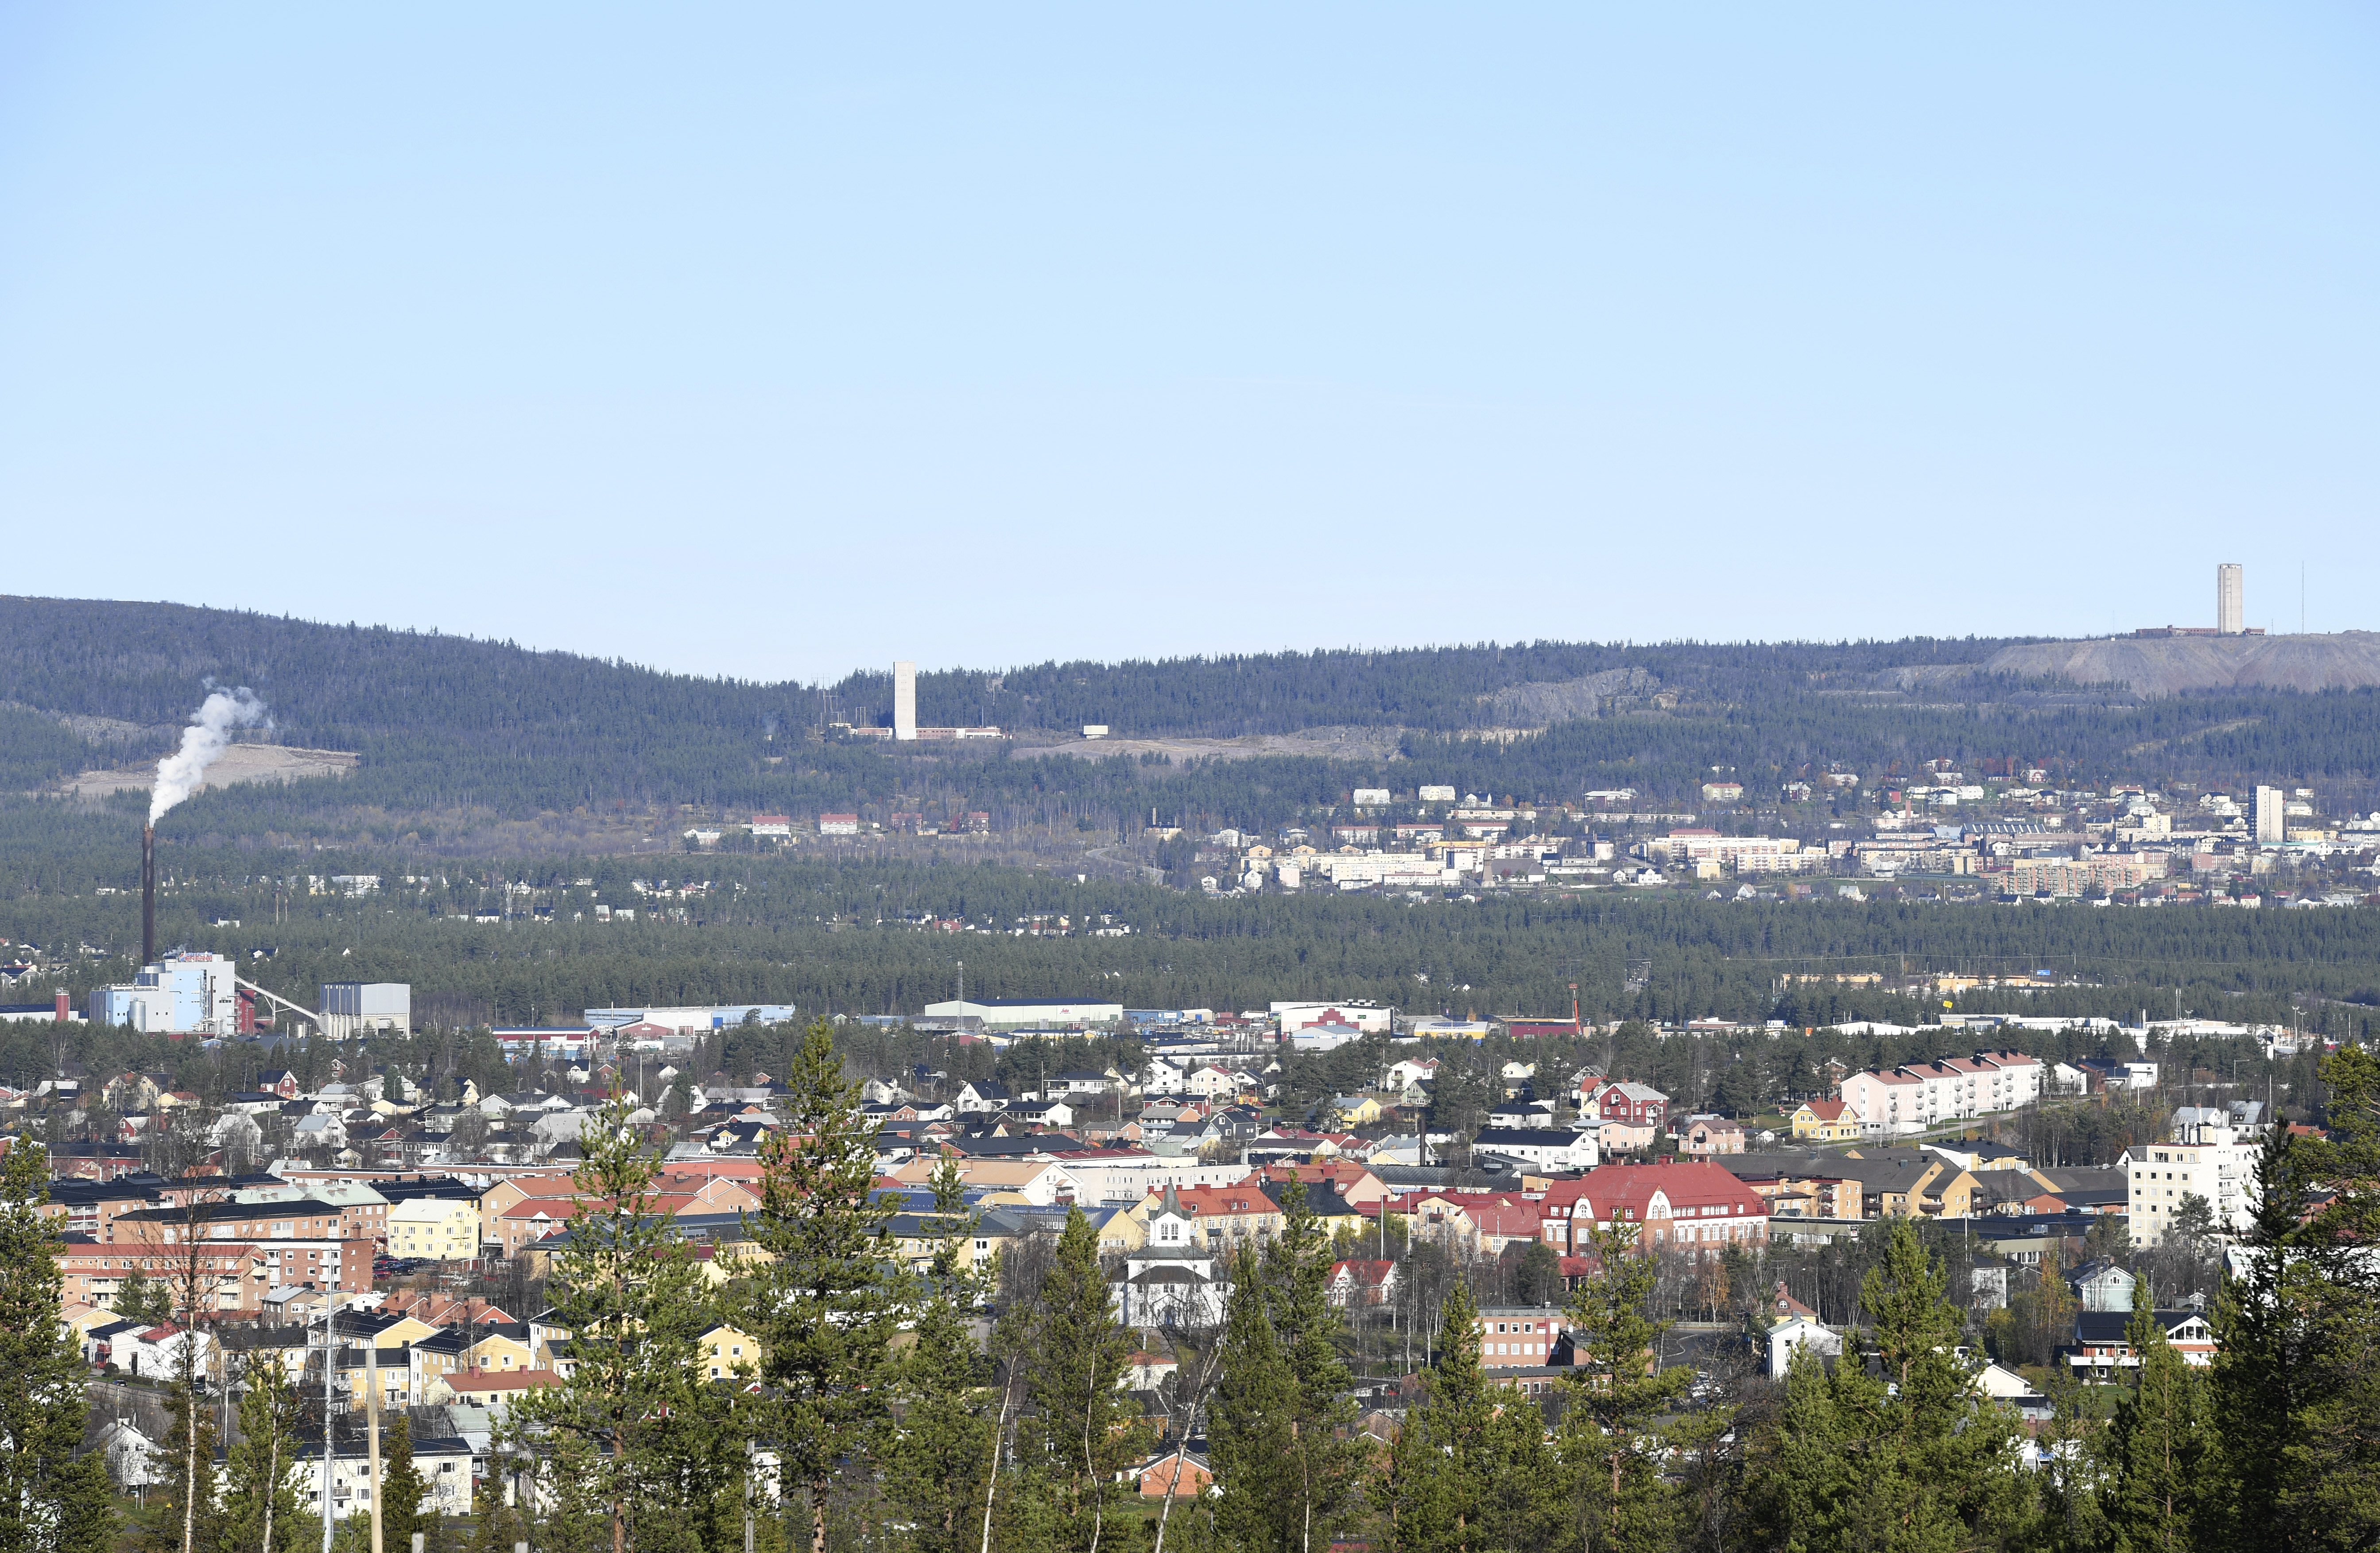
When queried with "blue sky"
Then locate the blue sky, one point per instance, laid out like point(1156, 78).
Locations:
point(773, 343)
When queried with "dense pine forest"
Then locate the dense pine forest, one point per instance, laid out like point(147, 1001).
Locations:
point(456, 734)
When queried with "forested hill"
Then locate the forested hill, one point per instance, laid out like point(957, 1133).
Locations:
point(454, 723)
point(1435, 688)
point(145, 664)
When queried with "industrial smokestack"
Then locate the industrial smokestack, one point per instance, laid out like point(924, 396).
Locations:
point(149, 894)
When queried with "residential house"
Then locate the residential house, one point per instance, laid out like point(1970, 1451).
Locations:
point(1482, 1222)
point(2100, 1351)
point(1360, 1284)
point(2102, 1284)
point(1826, 1122)
point(1800, 1332)
point(727, 1352)
point(1619, 1100)
point(983, 1094)
point(1706, 1135)
point(1184, 1475)
point(1548, 1149)
point(1144, 1371)
point(1352, 1110)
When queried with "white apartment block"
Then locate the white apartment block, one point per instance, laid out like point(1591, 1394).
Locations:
point(1743, 855)
point(1922, 1095)
point(2159, 1175)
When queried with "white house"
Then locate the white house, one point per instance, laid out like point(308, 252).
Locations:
point(983, 1094)
point(134, 1460)
point(1552, 1148)
point(156, 1353)
point(1799, 1332)
point(1212, 1082)
point(1164, 1077)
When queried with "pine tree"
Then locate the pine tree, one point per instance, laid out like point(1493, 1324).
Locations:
point(1441, 1473)
point(636, 1403)
point(828, 1303)
point(2296, 1383)
point(50, 1499)
point(2264, 1359)
point(2156, 1445)
point(1082, 1431)
point(1614, 1397)
point(143, 1299)
point(261, 1470)
point(935, 1463)
point(1249, 1441)
point(1325, 1462)
point(1914, 1458)
point(402, 1491)
point(2338, 1428)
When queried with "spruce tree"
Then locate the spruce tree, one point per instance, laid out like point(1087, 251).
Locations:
point(2339, 1427)
point(935, 1463)
point(143, 1299)
point(636, 1403)
point(1250, 1419)
point(261, 1469)
point(827, 1303)
point(2156, 1445)
point(1081, 1431)
point(2264, 1359)
point(1441, 1475)
point(1615, 1396)
point(1324, 1465)
point(51, 1499)
point(402, 1491)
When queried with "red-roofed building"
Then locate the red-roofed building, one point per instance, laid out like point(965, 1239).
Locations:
point(1226, 1213)
point(1691, 1204)
point(1353, 1284)
point(1354, 1182)
point(1484, 1221)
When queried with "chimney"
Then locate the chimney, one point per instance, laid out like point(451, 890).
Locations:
point(148, 895)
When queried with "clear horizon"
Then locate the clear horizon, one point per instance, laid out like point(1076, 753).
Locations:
point(774, 344)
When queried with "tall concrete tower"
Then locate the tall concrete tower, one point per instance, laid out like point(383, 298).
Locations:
point(2231, 600)
point(904, 703)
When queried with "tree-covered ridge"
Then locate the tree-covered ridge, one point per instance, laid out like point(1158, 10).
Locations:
point(450, 724)
point(1436, 688)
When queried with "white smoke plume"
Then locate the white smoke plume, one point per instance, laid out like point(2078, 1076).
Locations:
point(206, 737)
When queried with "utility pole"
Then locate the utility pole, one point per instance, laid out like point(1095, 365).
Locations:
point(371, 1412)
point(330, 1366)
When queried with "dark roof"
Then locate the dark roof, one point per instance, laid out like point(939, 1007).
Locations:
point(985, 1147)
point(2103, 1327)
point(1528, 1137)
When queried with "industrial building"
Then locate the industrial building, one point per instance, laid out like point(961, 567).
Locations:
point(2230, 600)
point(691, 1020)
point(358, 1008)
point(1016, 1014)
point(194, 993)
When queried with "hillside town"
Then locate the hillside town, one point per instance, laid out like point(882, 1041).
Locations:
point(381, 1237)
